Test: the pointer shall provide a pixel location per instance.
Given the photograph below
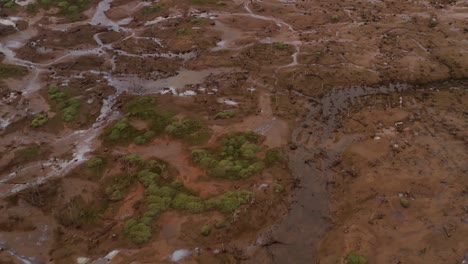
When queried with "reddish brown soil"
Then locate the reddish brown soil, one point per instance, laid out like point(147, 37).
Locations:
point(276, 65)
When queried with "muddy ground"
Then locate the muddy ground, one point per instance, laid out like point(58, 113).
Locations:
point(366, 100)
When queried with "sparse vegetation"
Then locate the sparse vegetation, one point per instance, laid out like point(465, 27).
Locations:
point(69, 8)
point(70, 107)
point(355, 258)
point(272, 156)
point(77, 213)
point(8, 3)
point(39, 120)
point(198, 20)
point(220, 223)
point(10, 71)
point(145, 108)
point(182, 31)
point(95, 164)
point(280, 46)
point(335, 18)
point(191, 131)
point(163, 194)
point(28, 154)
point(205, 230)
point(225, 115)
point(153, 9)
point(278, 188)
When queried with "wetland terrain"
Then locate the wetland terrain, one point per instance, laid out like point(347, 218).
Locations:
point(205, 131)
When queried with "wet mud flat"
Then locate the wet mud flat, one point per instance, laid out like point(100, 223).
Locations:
point(381, 173)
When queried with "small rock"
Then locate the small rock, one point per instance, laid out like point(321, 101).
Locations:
point(83, 260)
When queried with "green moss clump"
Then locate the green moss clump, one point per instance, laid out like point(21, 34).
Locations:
point(205, 230)
point(230, 201)
point(235, 159)
point(189, 130)
point(139, 231)
point(335, 18)
point(148, 178)
point(404, 202)
point(121, 133)
point(139, 140)
point(95, 164)
point(58, 94)
point(176, 184)
point(190, 203)
point(355, 258)
point(39, 120)
point(71, 110)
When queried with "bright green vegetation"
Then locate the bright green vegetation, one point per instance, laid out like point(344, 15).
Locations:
point(404, 202)
point(153, 9)
point(225, 115)
point(69, 8)
point(71, 110)
point(355, 258)
point(145, 108)
point(163, 194)
point(77, 213)
point(236, 158)
point(205, 230)
point(95, 164)
point(39, 120)
point(280, 46)
point(9, 71)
